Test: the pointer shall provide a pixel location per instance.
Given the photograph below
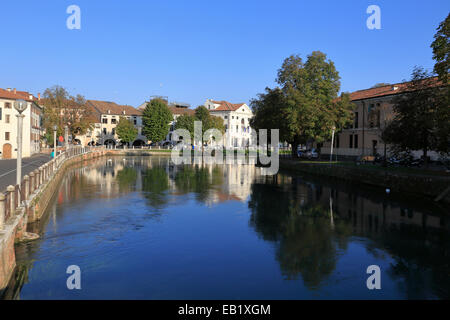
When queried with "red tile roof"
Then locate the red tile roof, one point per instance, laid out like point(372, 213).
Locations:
point(176, 110)
point(104, 106)
point(226, 106)
point(385, 90)
point(5, 94)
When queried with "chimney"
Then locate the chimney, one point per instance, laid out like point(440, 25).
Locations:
point(8, 89)
point(15, 91)
point(30, 96)
point(39, 96)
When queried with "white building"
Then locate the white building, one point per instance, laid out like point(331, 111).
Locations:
point(236, 118)
point(32, 124)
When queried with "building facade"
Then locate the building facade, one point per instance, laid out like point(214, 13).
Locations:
point(32, 124)
point(107, 115)
point(236, 118)
point(373, 111)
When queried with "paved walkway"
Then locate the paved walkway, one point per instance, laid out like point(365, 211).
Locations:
point(8, 168)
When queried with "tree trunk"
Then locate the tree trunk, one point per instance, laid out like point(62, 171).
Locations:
point(425, 157)
point(294, 145)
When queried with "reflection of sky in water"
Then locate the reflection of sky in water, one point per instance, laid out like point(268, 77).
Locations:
point(149, 230)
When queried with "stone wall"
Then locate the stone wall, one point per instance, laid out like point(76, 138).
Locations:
point(414, 184)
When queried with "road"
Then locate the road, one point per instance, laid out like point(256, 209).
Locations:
point(8, 168)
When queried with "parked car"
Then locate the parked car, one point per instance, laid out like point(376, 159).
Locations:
point(311, 154)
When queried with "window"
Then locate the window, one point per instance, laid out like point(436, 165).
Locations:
point(104, 120)
point(104, 130)
point(113, 121)
point(350, 141)
point(7, 105)
point(6, 135)
point(237, 128)
point(113, 131)
point(0, 113)
point(356, 141)
point(226, 117)
point(356, 119)
point(135, 122)
point(7, 118)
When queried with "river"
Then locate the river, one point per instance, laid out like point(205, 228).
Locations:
point(143, 228)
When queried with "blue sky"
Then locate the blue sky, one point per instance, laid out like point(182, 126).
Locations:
point(129, 50)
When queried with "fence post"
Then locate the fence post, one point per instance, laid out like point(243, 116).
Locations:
point(10, 190)
point(26, 187)
point(41, 175)
point(31, 188)
point(36, 179)
point(2, 210)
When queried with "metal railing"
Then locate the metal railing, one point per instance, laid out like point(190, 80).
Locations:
point(13, 197)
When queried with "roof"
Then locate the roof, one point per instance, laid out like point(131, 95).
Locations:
point(175, 110)
point(179, 111)
point(390, 89)
point(16, 94)
point(226, 106)
point(115, 109)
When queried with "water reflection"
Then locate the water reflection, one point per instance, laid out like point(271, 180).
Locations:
point(317, 228)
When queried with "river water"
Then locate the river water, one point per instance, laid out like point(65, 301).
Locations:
point(142, 228)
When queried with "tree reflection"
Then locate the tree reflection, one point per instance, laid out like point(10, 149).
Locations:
point(308, 238)
point(155, 184)
point(200, 180)
point(126, 179)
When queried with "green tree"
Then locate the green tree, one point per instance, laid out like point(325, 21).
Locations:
point(441, 50)
point(201, 114)
point(422, 117)
point(186, 121)
point(126, 131)
point(156, 119)
point(306, 106)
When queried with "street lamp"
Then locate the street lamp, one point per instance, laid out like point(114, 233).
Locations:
point(55, 127)
point(20, 105)
point(332, 142)
point(66, 136)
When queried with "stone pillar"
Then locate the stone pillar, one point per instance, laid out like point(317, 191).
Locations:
point(31, 188)
point(26, 187)
point(2, 210)
point(36, 179)
point(10, 189)
point(41, 175)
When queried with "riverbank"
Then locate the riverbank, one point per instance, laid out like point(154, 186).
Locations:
point(420, 184)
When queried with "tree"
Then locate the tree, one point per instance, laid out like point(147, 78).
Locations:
point(156, 119)
point(201, 114)
point(441, 50)
point(306, 105)
point(422, 117)
point(126, 130)
point(381, 84)
point(62, 109)
point(186, 121)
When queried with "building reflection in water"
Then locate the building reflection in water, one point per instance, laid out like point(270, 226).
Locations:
point(311, 222)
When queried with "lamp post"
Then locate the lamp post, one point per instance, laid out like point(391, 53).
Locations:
point(332, 142)
point(66, 136)
point(20, 105)
point(55, 127)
